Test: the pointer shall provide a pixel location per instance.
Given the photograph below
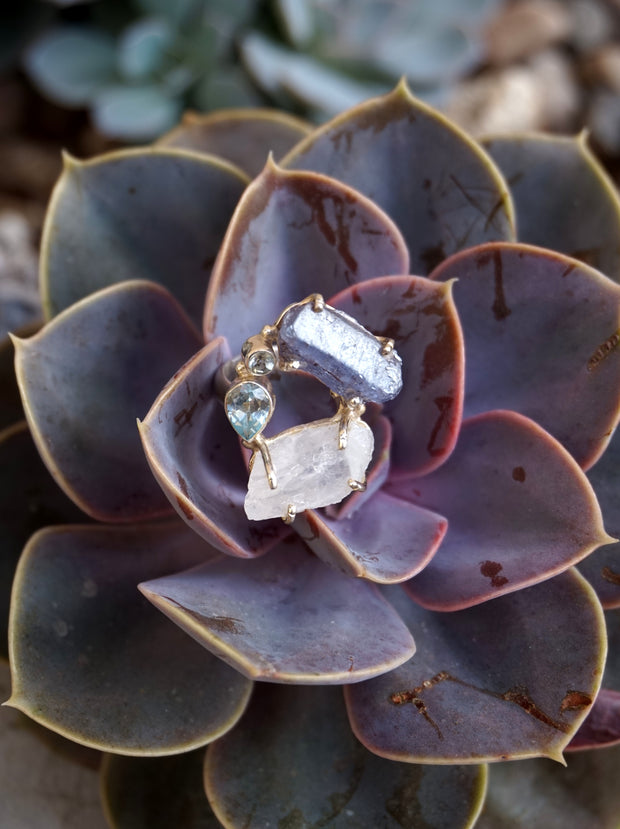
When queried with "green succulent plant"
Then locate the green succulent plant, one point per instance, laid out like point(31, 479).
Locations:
point(136, 66)
point(464, 602)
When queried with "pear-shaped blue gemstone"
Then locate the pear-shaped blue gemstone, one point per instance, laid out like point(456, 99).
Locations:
point(248, 408)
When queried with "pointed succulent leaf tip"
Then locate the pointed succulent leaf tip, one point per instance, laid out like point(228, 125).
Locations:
point(519, 510)
point(442, 190)
point(196, 459)
point(86, 376)
point(386, 541)
point(271, 617)
point(257, 775)
point(29, 500)
point(41, 774)
point(563, 197)
point(542, 335)
point(602, 568)
point(244, 137)
point(11, 410)
point(158, 793)
point(91, 659)
point(157, 214)
point(469, 695)
point(294, 234)
point(584, 795)
point(424, 325)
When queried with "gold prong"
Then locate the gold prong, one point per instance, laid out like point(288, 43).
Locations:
point(387, 345)
point(348, 410)
point(289, 515)
point(318, 303)
point(343, 430)
point(356, 486)
point(261, 444)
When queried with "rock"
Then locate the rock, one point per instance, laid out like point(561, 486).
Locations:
point(525, 28)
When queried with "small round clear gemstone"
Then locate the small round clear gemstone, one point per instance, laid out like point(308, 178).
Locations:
point(261, 362)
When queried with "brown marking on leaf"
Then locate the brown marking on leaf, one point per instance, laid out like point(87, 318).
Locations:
point(483, 259)
point(188, 512)
point(411, 291)
point(340, 238)
point(501, 200)
point(515, 178)
point(518, 474)
point(491, 570)
point(222, 624)
point(517, 695)
point(499, 307)
point(604, 350)
point(438, 356)
point(355, 296)
point(184, 418)
point(569, 269)
point(444, 404)
point(575, 700)
point(610, 575)
point(426, 184)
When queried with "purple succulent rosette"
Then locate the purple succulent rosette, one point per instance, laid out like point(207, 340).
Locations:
point(459, 599)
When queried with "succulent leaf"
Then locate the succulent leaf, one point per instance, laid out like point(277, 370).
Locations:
point(29, 500)
point(84, 380)
point(519, 510)
point(536, 794)
point(302, 224)
point(91, 659)
point(531, 346)
point(469, 695)
point(564, 199)
point(388, 540)
point(11, 409)
point(293, 761)
point(601, 727)
point(156, 214)
point(196, 458)
point(270, 617)
point(602, 568)
point(245, 137)
point(37, 782)
point(426, 331)
point(441, 189)
point(156, 793)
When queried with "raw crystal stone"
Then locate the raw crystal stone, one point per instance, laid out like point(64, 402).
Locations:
point(339, 352)
point(248, 408)
point(311, 470)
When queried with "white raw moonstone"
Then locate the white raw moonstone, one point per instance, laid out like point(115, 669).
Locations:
point(311, 470)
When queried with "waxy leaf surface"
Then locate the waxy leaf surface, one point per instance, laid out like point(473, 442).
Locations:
point(541, 337)
point(156, 792)
point(508, 679)
point(295, 234)
point(602, 568)
point(519, 510)
point(244, 137)
point(387, 540)
point(195, 456)
point(29, 500)
point(92, 660)
point(271, 617)
point(293, 761)
point(38, 786)
point(424, 325)
point(441, 189)
point(564, 199)
point(154, 214)
point(537, 794)
point(83, 391)
point(602, 725)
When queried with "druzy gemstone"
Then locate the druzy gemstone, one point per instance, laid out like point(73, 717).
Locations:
point(311, 470)
point(248, 408)
point(339, 352)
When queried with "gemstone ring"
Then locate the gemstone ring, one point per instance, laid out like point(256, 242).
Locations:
point(318, 463)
